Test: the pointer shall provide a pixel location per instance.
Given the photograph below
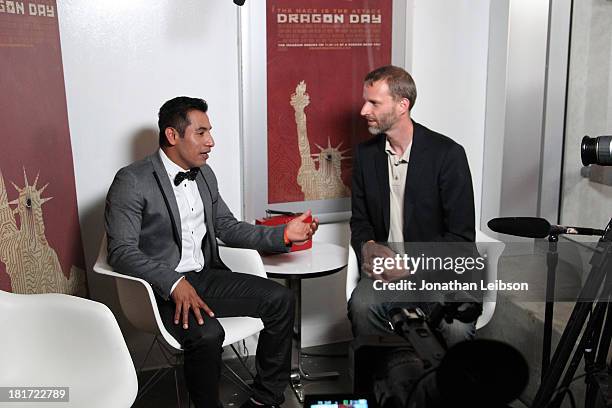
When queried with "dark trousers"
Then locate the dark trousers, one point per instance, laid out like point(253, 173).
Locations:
point(368, 311)
point(231, 294)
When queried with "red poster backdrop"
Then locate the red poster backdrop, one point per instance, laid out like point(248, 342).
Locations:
point(40, 239)
point(318, 52)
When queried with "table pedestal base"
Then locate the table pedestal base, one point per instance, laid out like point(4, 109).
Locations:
point(298, 374)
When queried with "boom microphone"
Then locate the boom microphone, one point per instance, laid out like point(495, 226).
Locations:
point(534, 227)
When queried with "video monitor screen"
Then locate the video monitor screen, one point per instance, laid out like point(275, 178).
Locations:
point(337, 401)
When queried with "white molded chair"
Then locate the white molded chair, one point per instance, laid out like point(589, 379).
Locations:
point(56, 340)
point(140, 308)
point(488, 247)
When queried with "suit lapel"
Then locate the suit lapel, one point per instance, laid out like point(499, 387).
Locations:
point(160, 174)
point(382, 176)
point(206, 195)
point(415, 167)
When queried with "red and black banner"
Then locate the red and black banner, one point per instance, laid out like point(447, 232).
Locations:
point(318, 52)
point(40, 238)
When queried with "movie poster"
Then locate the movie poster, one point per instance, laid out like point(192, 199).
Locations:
point(40, 239)
point(318, 52)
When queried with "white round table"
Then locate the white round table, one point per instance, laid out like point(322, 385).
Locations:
point(320, 260)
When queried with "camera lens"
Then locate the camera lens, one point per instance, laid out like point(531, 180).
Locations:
point(596, 150)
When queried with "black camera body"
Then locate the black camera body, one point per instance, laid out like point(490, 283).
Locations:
point(389, 367)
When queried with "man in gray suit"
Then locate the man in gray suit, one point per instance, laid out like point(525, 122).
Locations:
point(163, 216)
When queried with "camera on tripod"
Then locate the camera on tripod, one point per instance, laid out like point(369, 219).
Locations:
point(588, 333)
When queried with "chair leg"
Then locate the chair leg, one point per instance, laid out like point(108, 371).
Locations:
point(148, 353)
point(155, 378)
point(173, 360)
point(242, 362)
point(236, 379)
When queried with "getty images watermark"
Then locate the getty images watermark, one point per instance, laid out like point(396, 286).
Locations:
point(438, 269)
point(426, 271)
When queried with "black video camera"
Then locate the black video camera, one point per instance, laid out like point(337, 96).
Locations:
point(414, 369)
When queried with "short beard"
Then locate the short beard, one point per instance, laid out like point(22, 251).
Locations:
point(385, 123)
point(374, 130)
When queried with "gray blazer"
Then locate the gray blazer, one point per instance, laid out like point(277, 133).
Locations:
point(143, 224)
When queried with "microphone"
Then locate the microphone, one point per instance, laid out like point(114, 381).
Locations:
point(239, 2)
point(534, 227)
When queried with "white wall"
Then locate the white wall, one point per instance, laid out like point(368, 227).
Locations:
point(495, 114)
point(527, 44)
point(122, 60)
point(449, 66)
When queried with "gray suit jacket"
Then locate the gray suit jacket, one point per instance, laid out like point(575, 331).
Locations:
point(143, 224)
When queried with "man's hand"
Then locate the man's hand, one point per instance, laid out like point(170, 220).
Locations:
point(370, 251)
point(185, 297)
point(298, 231)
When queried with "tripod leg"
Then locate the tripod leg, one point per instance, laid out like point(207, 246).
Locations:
point(561, 355)
point(606, 337)
point(594, 382)
point(588, 347)
point(569, 337)
point(586, 343)
point(590, 354)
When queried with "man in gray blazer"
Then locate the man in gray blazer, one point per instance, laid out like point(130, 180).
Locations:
point(163, 217)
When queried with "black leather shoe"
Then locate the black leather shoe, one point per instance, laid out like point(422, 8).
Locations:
point(250, 404)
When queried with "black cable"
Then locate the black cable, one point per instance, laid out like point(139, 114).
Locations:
point(245, 350)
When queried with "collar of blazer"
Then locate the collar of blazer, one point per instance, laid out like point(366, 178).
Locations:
point(418, 156)
point(163, 181)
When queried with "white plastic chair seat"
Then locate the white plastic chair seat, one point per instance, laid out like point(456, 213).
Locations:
point(139, 306)
point(238, 328)
point(65, 341)
point(488, 247)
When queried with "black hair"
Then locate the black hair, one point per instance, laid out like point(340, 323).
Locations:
point(173, 114)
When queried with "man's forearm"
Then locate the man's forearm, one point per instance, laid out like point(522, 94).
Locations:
point(131, 261)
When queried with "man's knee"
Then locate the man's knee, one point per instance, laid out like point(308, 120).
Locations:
point(366, 318)
point(208, 336)
point(358, 308)
point(282, 297)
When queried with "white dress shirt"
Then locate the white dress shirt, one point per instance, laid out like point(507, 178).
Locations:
point(193, 226)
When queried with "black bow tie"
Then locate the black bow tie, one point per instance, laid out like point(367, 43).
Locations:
point(185, 175)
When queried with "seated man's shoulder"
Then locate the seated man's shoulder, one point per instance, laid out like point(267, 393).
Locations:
point(137, 166)
point(438, 140)
point(133, 173)
point(371, 144)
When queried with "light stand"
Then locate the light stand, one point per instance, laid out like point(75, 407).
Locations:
point(552, 259)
